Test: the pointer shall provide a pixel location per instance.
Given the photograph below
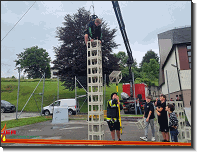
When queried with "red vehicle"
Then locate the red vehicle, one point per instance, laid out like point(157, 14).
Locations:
point(140, 92)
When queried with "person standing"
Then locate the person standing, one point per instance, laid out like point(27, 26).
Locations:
point(173, 123)
point(138, 106)
point(162, 118)
point(148, 118)
point(113, 116)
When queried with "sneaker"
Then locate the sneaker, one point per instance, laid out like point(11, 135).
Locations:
point(153, 139)
point(144, 138)
point(119, 140)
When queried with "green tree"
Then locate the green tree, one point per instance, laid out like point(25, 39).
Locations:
point(149, 55)
point(13, 77)
point(71, 55)
point(121, 55)
point(150, 73)
point(35, 61)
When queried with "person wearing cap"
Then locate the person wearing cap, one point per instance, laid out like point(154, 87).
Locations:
point(113, 115)
point(148, 118)
point(93, 30)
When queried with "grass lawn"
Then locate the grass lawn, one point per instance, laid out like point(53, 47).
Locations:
point(9, 91)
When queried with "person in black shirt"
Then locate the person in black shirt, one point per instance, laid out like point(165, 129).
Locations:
point(163, 118)
point(93, 30)
point(148, 118)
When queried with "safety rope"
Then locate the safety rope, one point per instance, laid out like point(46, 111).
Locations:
point(93, 10)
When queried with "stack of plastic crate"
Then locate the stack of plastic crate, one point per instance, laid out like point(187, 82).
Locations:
point(95, 91)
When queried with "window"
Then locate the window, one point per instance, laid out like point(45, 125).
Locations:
point(189, 55)
point(57, 103)
point(189, 47)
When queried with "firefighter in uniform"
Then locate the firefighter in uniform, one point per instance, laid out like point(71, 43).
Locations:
point(113, 115)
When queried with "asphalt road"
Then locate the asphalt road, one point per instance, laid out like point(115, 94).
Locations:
point(74, 130)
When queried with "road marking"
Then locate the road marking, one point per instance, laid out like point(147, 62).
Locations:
point(35, 130)
point(72, 128)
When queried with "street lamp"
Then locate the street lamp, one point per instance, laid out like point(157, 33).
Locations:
point(178, 70)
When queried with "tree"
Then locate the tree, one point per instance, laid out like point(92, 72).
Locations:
point(122, 59)
point(149, 55)
point(13, 77)
point(71, 55)
point(150, 73)
point(35, 61)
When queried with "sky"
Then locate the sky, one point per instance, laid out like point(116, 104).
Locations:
point(144, 20)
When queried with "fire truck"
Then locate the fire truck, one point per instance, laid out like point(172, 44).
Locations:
point(129, 104)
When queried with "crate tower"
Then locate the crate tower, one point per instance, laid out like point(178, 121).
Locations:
point(95, 91)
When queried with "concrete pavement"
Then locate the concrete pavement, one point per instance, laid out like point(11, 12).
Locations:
point(74, 130)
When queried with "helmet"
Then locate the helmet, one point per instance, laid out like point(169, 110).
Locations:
point(93, 17)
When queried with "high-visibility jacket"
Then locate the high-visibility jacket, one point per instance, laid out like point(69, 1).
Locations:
point(112, 110)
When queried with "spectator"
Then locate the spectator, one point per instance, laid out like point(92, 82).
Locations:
point(180, 98)
point(138, 106)
point(113, 116)
point(177, 98)
point(162, 118)
point(148, 118)
point(173, 123)
point(171, 99)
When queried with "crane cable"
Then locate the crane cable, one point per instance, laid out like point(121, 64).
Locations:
point(18, 21)
point(93, 9)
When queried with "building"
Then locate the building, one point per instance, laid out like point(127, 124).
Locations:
point(154, 92)
point(175, 63)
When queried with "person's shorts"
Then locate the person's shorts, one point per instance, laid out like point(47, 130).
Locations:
point(164, 127)
point(113, 126)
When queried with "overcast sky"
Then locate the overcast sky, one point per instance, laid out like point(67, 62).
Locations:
point(144, 20)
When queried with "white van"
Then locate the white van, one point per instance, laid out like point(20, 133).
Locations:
point(71, 103)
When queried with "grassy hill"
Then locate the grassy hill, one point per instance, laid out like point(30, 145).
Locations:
point(9, 89)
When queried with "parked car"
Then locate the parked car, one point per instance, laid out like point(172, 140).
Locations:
point(71, 103)
point(7, 106)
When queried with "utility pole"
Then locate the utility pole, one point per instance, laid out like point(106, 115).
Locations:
point(18, 91)
point(168, 85)
point(42, 94)
point(58, 87)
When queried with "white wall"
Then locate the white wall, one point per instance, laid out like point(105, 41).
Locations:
point(173, 82)
point(172, 76)
point(185, 76)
